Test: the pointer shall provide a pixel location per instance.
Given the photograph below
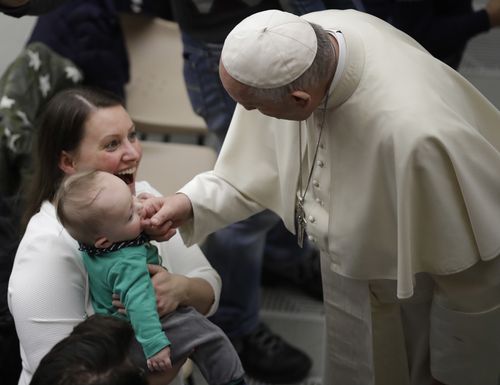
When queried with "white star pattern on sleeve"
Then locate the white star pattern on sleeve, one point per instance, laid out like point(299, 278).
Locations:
point(73, 73)
point(23, 117)
point(44, 84)
point(12, 142)
point(34, 62)
point(6, 102)
point(11, 139)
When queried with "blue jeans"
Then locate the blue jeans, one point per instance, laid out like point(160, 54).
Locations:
point(236, 251)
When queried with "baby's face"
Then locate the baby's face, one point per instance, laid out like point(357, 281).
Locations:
point(123, 210)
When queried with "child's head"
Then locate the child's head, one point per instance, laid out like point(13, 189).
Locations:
point(98, 209)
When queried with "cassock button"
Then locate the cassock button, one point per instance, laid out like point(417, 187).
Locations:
point(311, 219)
point(311, 238)
point(319, 201)
point(320, 163)
point(315, 183)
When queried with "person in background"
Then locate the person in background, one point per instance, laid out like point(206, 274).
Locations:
point(18, 8)
point(387, 159)
point(48, 291)
point(99, 211)
point(443, 27)
point(99, 351)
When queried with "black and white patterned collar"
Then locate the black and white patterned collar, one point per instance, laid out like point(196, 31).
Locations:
point(92, 251)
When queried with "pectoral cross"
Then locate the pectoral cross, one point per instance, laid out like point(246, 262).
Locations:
point(300, 219)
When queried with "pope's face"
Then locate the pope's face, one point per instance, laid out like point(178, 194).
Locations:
point(289, 107)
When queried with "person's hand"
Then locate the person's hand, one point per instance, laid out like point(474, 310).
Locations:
point(145, 196)
point(160, 362)
point(118, 305)
point(166, 377)
point(493, 10)
point(171, 289)
point(162, 215)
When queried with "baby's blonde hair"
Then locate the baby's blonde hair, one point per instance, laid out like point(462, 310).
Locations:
point(75, 208)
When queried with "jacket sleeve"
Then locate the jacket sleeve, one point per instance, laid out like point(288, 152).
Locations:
point(216, 203)
point(130, 279)
point(36, 75)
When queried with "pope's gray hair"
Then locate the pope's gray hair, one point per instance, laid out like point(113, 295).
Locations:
point(316, 74)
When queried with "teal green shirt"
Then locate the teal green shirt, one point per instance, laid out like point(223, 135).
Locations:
point(125, 272)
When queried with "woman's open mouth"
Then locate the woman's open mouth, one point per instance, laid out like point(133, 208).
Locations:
point(127, 175)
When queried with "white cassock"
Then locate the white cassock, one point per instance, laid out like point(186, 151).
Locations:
point(406, 181)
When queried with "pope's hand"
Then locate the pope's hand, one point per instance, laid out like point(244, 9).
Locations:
point(162, 215)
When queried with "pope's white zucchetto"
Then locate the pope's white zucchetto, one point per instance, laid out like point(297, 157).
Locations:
point(269, 49)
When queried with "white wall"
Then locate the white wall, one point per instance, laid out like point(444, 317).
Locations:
point(13, 35)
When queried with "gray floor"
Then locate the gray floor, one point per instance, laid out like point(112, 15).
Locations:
point(298, 318)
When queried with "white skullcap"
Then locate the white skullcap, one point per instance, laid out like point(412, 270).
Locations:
point(269, 49)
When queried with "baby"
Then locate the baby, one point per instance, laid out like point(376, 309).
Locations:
point(100, 212)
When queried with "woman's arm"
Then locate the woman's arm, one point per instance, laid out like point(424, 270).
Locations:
point(190, 278)
point(47, 290)
point(175, 290)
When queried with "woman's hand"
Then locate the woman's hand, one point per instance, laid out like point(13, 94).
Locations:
point(171, 289)
point(174, 290)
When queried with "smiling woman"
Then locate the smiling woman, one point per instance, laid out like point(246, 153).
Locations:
point(115, 150)
point(80, 130)
point(83, 129)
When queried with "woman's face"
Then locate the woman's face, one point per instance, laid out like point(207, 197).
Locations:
point(109, 144)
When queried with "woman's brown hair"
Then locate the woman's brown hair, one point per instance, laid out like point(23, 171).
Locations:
point(61, 128)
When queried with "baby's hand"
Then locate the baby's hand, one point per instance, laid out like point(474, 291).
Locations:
point(160, 361)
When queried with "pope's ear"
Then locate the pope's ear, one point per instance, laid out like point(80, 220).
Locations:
point(67, 163)
point(301, 98)
point(102, 243)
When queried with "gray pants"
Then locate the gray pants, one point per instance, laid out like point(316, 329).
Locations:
point(193, 335)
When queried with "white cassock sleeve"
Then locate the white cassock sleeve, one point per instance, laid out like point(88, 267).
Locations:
point(216, 203)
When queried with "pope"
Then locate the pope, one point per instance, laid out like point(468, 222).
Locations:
point(387, 159)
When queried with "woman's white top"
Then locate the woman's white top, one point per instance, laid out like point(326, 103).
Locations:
point(48, 290)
